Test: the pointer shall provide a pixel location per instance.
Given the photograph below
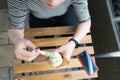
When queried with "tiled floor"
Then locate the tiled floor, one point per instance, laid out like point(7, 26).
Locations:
point(109, 68)
point(104, 40)
point(6, 49)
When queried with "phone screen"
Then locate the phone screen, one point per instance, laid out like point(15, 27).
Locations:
point(88, 64)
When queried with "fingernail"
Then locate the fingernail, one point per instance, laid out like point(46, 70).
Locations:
point(36, 48)
point(40, 54)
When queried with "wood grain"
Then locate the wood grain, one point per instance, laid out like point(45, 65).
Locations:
point(44, 42)
point(71, 75)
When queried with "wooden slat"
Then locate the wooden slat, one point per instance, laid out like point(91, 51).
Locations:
point(79, 50)
point(50, 31)
point(41, 66)
point(71, 75)
point(44, 42)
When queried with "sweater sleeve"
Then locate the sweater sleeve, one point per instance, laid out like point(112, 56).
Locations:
point(17, 13)
point(81, 10)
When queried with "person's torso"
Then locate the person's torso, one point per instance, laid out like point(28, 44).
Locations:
point(40, 10)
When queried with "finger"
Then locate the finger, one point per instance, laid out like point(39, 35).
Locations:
point(29, 54)
point(51, 50)
point(59, 49)
point(24, 58)
point(31, 45)
point(61, 67)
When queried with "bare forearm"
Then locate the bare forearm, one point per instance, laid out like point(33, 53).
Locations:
point(82, 30)
point(15, 35)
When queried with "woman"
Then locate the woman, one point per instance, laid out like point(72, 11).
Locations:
point(52, 13)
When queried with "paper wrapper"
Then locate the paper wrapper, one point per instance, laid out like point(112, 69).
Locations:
point(55, 58)
point(62, 62)
point(65, 62)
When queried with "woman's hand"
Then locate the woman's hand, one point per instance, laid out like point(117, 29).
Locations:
point(67, 50)
point(21, 50)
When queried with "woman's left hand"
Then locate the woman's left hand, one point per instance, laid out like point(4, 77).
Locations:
point(66, 50)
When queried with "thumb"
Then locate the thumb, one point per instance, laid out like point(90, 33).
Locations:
point(58, 49)
point(31, 45)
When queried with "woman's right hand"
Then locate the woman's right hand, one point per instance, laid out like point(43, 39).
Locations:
point(21, 50)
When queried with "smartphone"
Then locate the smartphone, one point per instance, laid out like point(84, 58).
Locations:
point(87, 63)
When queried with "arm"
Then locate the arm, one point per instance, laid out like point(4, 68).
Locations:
point(21, 44)
point(82, 29)
point(17, 16)
point(81, 10)
point(16, 35)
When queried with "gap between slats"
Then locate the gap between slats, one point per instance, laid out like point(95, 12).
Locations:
point(45, 42)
